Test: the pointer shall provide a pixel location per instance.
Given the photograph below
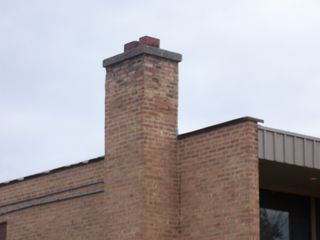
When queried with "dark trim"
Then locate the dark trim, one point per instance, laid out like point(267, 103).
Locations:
point(220, 125)
point(3, 230)
point(94, 160)
point(53, 201)
point(53, 193)
point(143, 49)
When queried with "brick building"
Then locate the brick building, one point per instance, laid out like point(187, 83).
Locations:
point(234, 180)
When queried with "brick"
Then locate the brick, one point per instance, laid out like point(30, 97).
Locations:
point(141, 149)
point(131, 45)
point(220, 184)
point(150, 41)
point(78, 218)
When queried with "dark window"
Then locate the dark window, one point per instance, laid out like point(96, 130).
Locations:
point(284, 216)
point(274, 224)
point(3, 231)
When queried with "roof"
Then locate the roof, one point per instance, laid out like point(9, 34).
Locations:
point(184, 135)
point(273, 144)
point(288, 147)
point(55, 170)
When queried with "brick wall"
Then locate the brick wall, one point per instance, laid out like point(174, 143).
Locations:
point(63, 204)
point(203, 185)
point(219, 183)
point(141, 146)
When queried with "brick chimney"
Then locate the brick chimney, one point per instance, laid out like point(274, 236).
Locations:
point(141, 143)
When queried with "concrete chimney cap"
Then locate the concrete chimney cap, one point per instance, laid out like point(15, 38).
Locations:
point(146, 45)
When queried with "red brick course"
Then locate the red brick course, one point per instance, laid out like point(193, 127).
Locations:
point(150, 41)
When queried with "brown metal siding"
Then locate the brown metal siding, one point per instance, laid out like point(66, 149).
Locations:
point(287, 147)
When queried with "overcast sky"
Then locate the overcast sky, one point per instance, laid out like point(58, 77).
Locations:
point(259, 58)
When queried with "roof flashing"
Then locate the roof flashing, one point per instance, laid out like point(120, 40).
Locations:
point(220, 125)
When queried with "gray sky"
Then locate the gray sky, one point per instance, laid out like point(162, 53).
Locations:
point(241, 57)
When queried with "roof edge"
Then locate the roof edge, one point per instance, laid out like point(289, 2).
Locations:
point(220, 125)
point(55, 170)
point(289, 133)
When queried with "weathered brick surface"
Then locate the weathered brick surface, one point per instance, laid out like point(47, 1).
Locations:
point(141, 149)
point(55, 205)
point(219, 184)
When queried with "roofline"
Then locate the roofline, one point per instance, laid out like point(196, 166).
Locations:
point(220, 125)
point(55, 170)
point(101, 158)
point(295, 134)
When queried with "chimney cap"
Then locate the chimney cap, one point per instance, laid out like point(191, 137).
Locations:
point(146, 45)
point(145, 40)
